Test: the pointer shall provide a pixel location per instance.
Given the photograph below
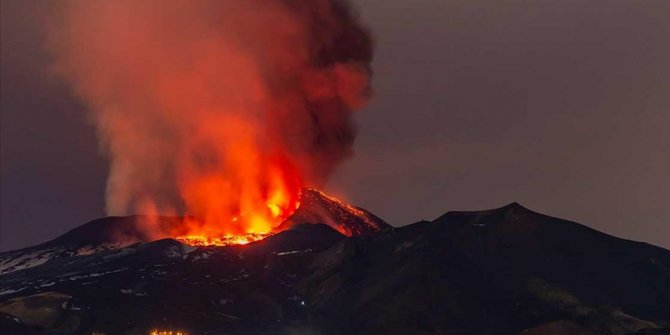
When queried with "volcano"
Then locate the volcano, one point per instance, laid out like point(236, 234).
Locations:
point(337, 269)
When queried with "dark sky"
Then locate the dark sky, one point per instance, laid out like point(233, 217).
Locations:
point(563, 106)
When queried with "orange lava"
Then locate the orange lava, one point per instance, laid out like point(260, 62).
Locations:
point(240, 207)
point(167, 332)
point(255, 223)
point(223, 240)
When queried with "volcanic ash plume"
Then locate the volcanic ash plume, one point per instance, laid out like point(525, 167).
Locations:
point(220, 109)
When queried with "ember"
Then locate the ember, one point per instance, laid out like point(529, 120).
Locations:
point(167, 332)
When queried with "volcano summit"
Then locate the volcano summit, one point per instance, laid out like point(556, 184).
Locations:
point(337, 269)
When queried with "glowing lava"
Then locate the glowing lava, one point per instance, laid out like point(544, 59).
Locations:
point(253, 224)
point(167, 332)
point(223, 240)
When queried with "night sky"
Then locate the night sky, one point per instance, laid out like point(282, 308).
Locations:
point(561, 106)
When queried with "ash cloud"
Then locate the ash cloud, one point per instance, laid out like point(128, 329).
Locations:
point(214, 99)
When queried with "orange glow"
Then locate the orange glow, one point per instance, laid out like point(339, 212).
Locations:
point(254, 217)
point(167, 332)
point(201, 240)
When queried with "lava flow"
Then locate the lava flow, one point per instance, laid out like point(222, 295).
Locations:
point(223, 240)
point(252, 224)
point(167, 332)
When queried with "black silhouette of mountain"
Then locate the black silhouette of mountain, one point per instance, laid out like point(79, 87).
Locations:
point(503, 271)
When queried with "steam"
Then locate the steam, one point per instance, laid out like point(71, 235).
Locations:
point(205, 106)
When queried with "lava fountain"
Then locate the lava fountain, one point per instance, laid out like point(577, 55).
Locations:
point(218, 109)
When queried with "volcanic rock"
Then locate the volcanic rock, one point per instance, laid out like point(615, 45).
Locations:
point(318, 207)
point(503, 271)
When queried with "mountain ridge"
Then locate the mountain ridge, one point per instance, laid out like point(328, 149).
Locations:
point(507, 270)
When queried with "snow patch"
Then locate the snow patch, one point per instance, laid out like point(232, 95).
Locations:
point(293, 252)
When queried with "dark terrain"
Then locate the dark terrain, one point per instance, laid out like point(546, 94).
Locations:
point(501, 271)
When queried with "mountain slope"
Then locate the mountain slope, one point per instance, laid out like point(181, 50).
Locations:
point(502, 271)
point(496, 272)
point(318, 207)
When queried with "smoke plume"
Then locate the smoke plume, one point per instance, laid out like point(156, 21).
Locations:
point(212, 107)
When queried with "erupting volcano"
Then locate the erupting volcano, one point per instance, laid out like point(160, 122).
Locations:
point(314, 207)
point(222, 111)
point(223, 121)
